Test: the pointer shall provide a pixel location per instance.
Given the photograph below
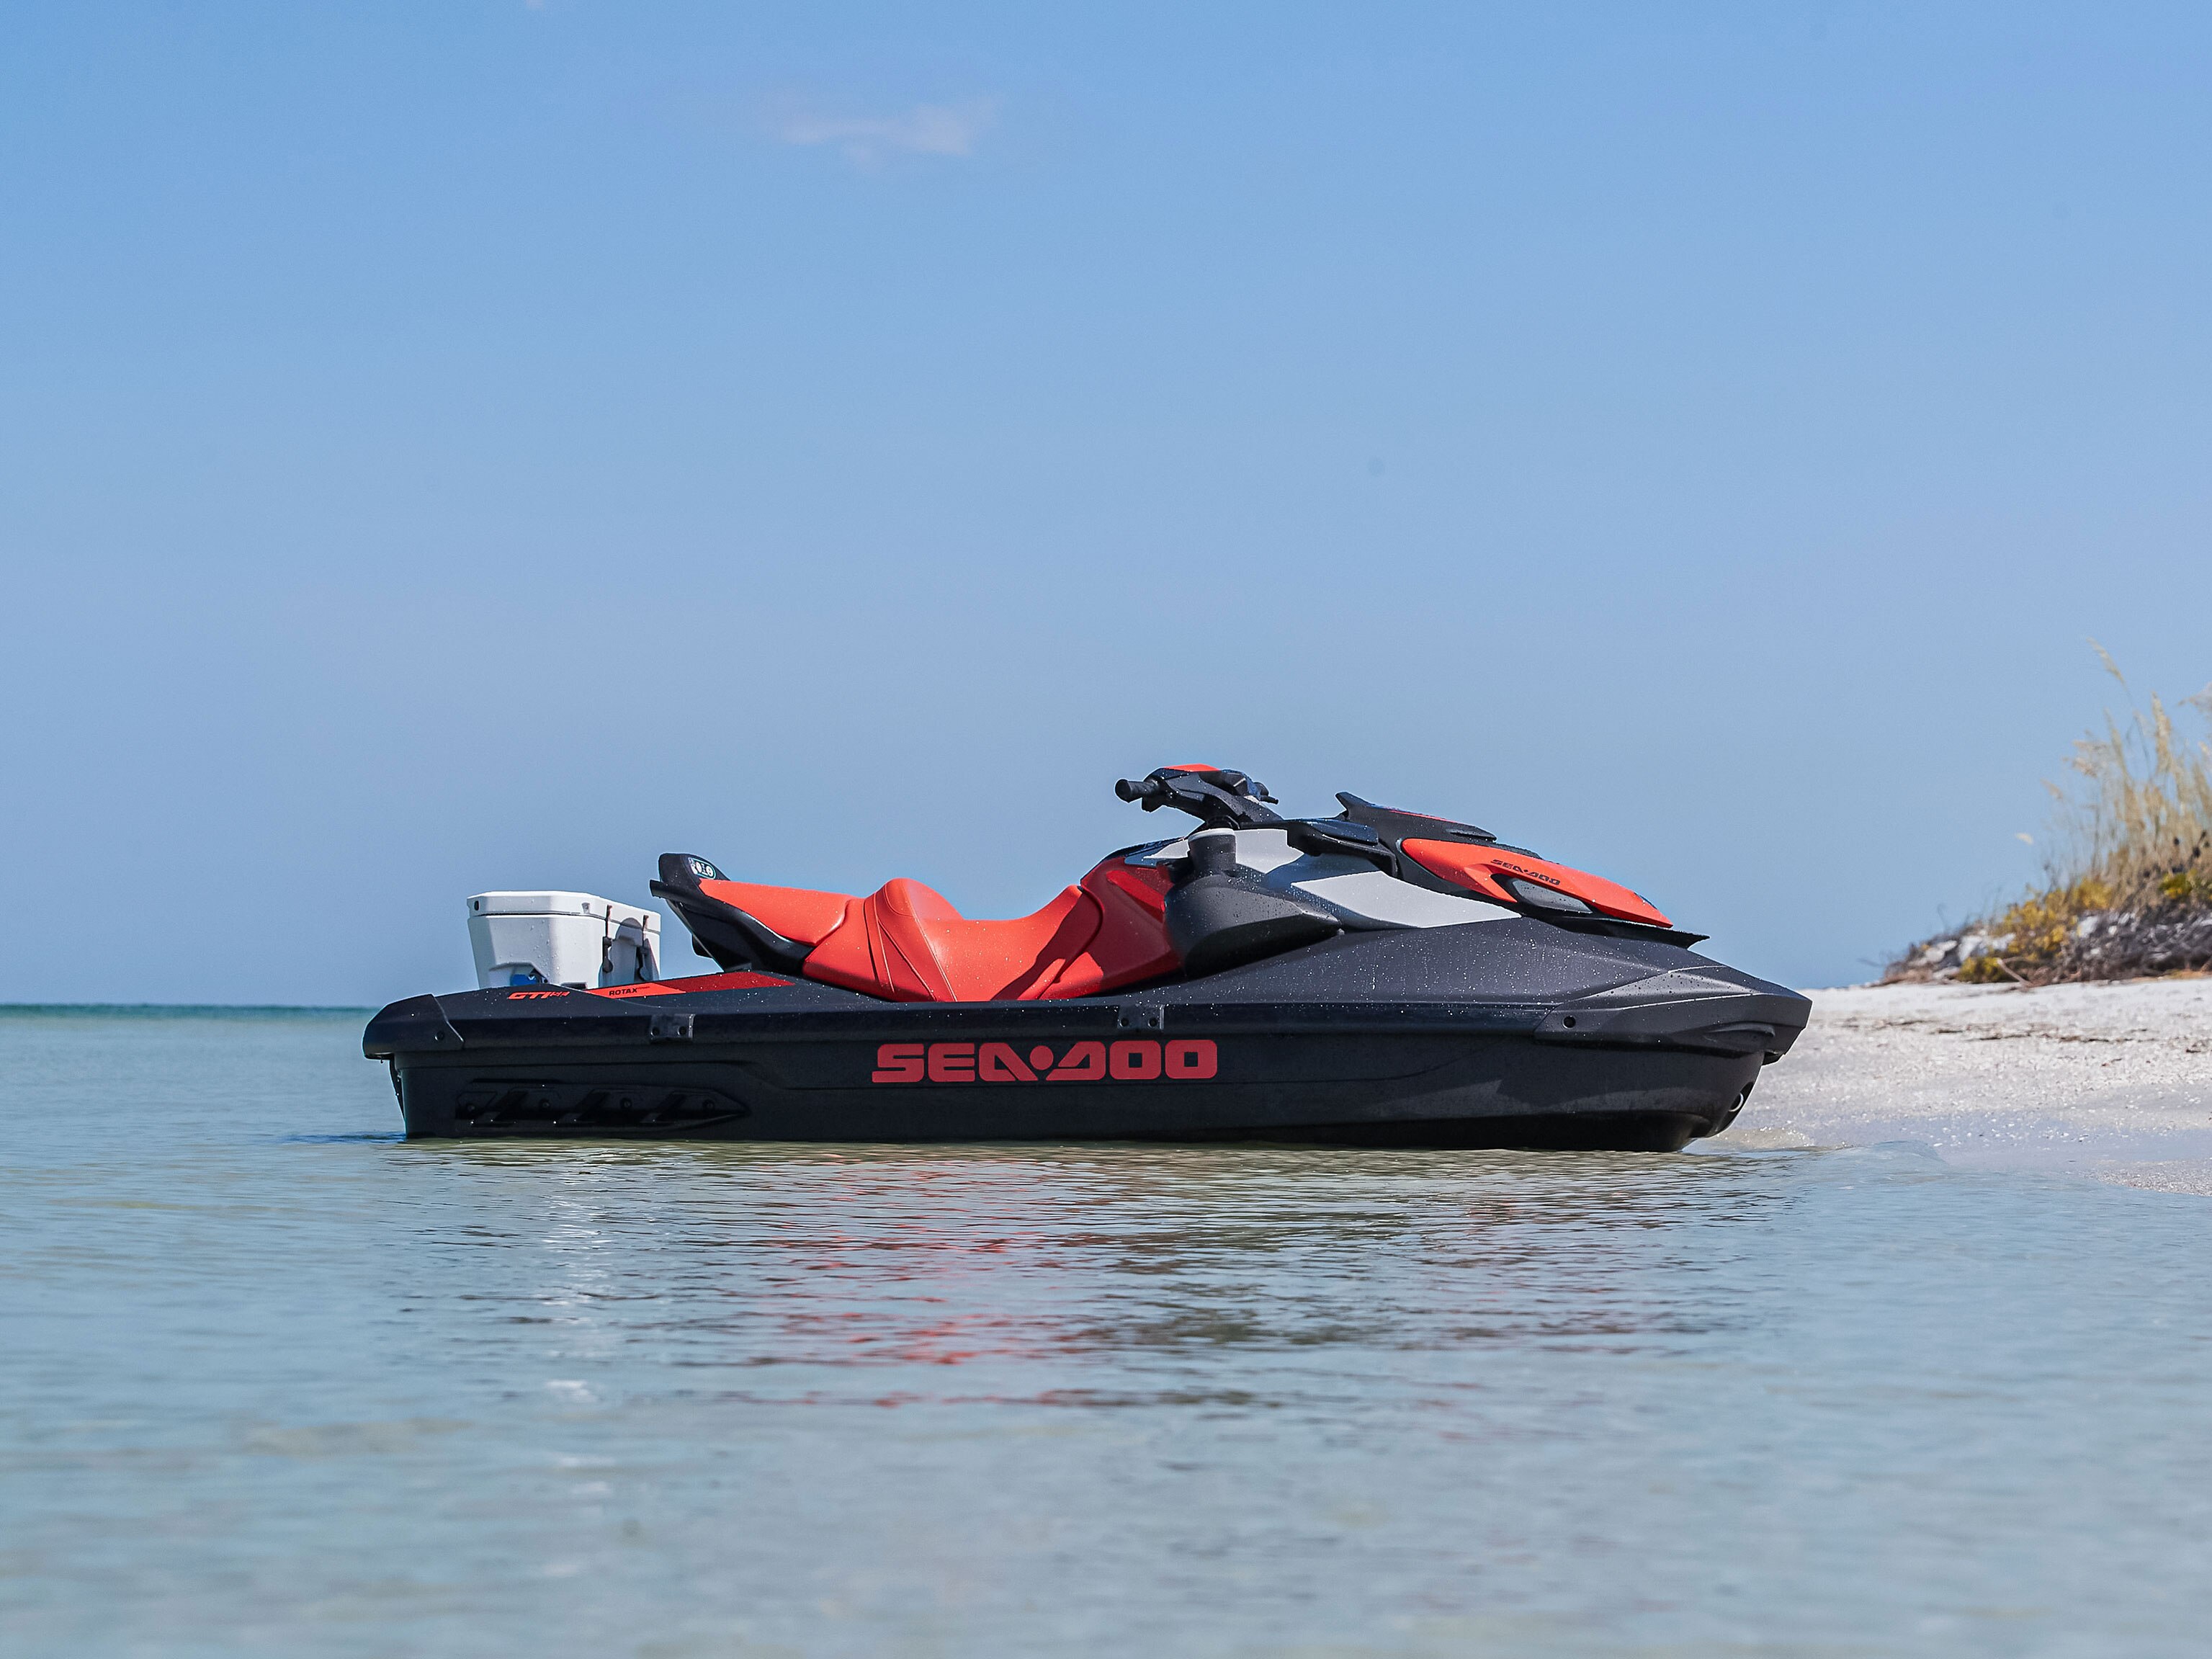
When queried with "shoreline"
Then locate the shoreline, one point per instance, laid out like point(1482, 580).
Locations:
point(2109, 1080)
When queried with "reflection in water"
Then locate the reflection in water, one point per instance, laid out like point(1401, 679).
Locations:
point(276, 1380)
point(847, 1257)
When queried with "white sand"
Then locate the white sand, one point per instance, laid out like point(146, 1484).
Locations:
point(2113, 1081)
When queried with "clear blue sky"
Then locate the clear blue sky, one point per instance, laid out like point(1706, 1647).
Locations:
point(456, 446)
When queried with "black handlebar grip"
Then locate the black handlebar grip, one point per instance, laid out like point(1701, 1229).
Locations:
point(1135, 789)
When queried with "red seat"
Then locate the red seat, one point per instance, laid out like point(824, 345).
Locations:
point(906, 943)
point(799, 913)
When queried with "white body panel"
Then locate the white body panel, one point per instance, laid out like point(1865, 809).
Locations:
point(1379, 898)
point(561, 939)
point(1352, 887)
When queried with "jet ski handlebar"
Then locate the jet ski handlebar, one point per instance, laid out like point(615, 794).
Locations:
point(1223, 799)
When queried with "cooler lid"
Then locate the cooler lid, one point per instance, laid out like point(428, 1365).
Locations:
point(561, 904)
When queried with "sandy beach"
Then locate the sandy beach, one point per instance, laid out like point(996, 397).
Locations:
point(2112, 1081)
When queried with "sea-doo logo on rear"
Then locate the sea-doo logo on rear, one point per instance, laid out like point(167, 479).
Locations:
point(1139, 1059)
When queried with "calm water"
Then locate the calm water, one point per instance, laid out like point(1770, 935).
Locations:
point(273, 1381)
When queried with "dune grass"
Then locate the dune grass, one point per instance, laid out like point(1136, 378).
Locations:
point(2144, 822)
point(2128, 886)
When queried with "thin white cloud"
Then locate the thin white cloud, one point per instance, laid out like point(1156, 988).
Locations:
point(925, 130)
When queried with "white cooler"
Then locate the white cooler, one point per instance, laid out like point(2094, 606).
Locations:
point(577, 939)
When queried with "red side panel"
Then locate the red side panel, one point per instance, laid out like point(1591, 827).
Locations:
point(676, 987)
point(1132, 941)
point(1478, 867)
point(796, 913)
point(1146, 886)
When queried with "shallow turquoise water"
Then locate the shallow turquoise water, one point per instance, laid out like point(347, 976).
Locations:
point(273, 1381)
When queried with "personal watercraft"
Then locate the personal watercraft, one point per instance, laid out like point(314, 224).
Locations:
point(1378, 977)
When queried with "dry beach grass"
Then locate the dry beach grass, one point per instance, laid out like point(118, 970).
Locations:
point(2128, 891)
point(2071, 1030)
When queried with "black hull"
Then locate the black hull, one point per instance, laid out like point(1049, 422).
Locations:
point(1630, 1046)
point(1441, 1092)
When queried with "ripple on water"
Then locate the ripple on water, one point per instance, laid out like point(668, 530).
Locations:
point(275, 1379)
